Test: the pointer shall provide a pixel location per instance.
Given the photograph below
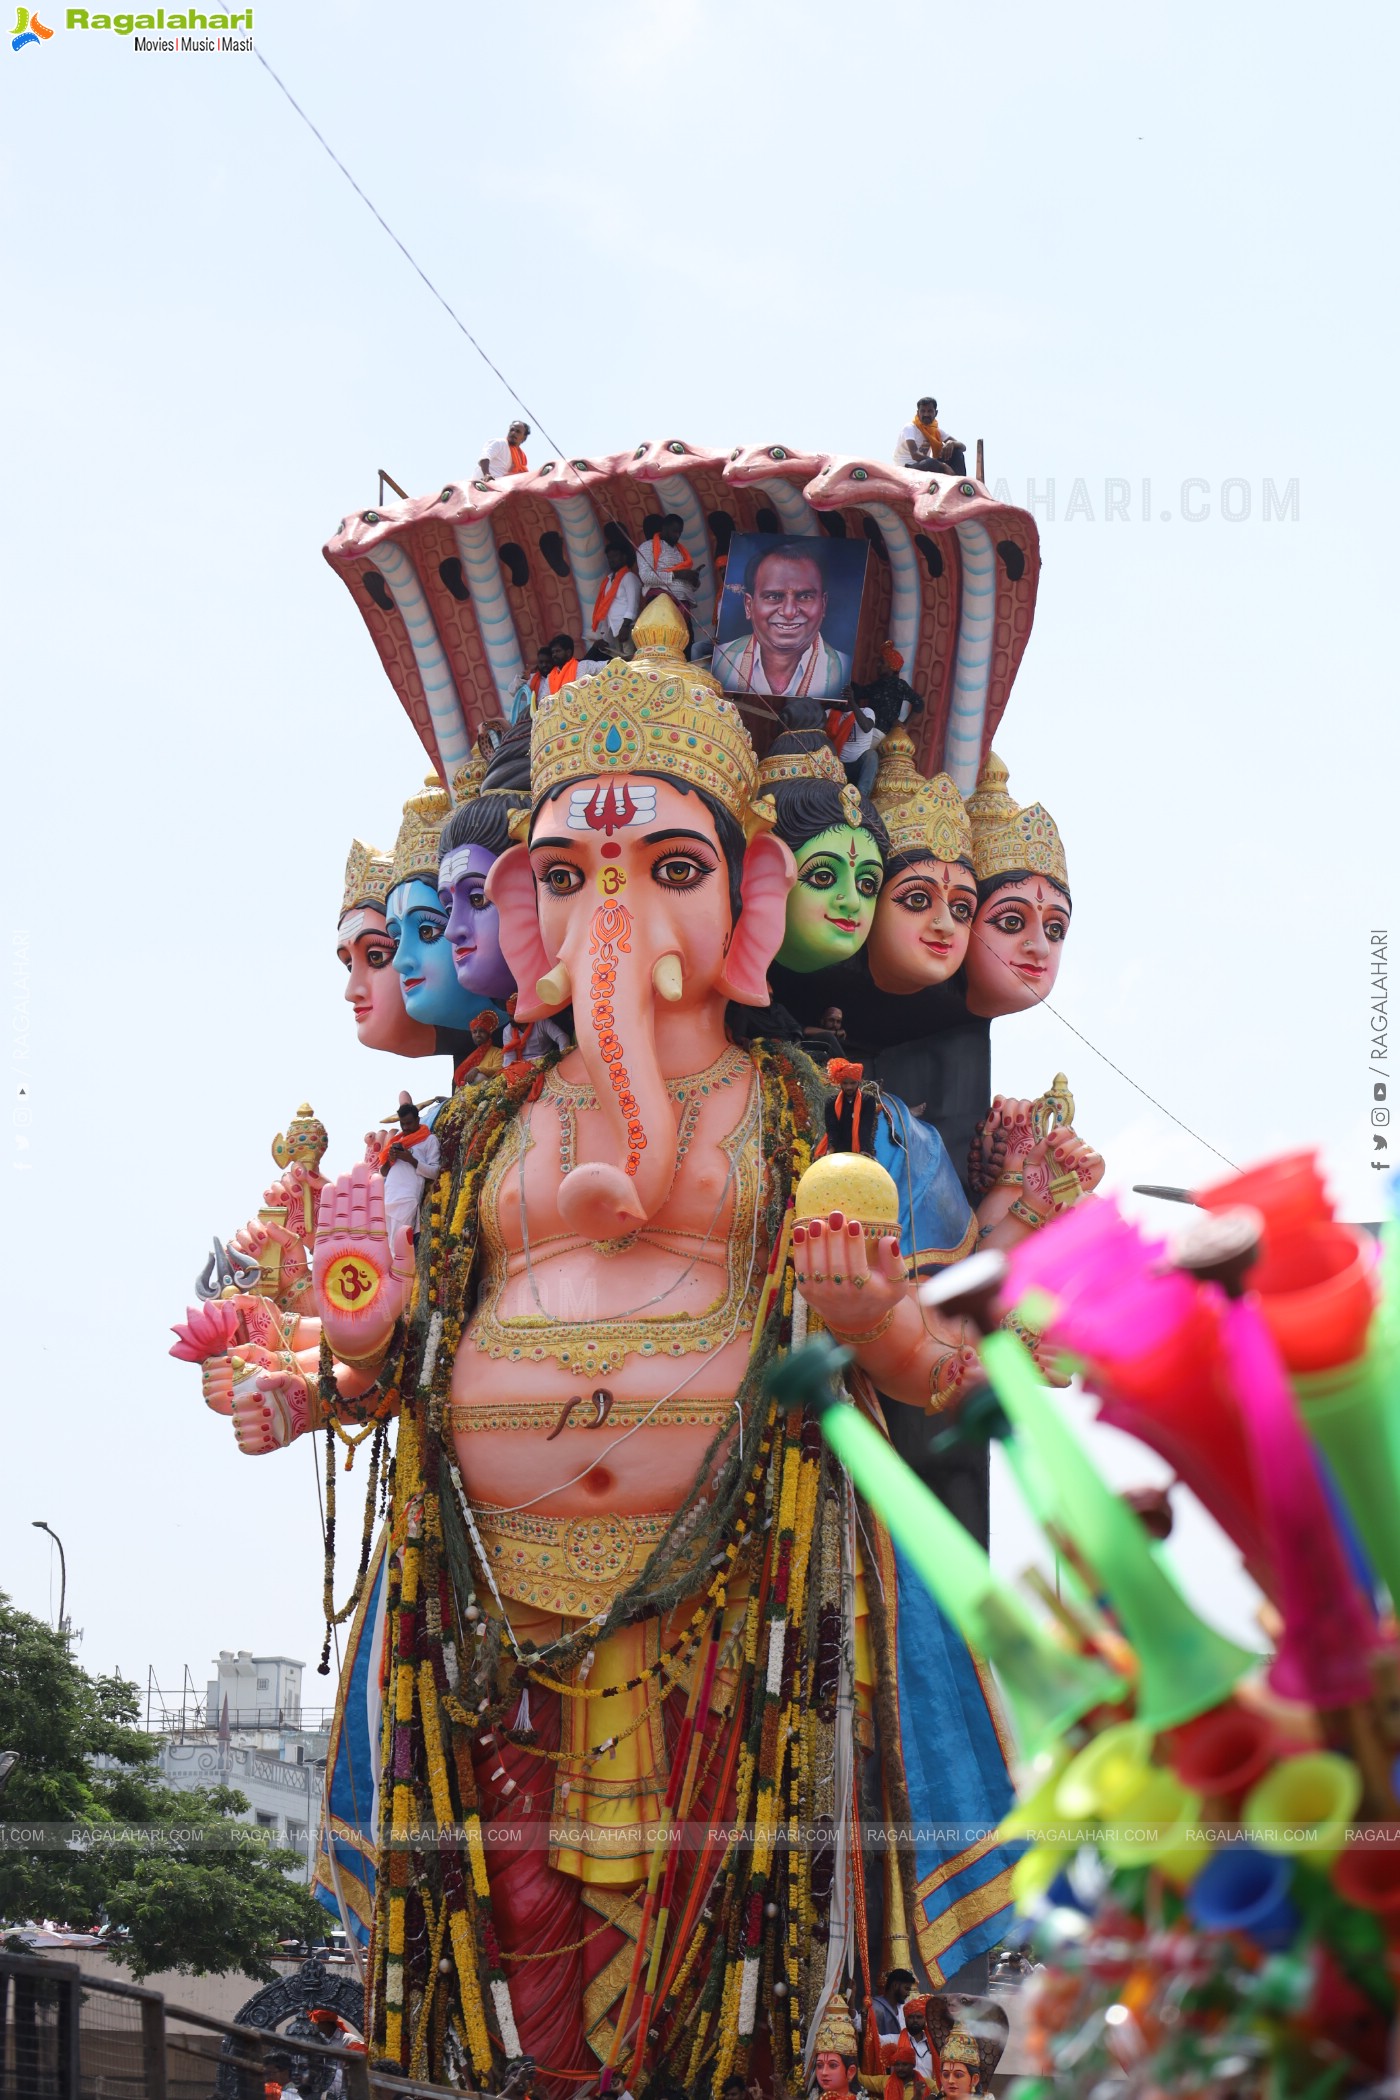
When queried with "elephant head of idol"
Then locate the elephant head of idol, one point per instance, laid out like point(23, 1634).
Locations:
point(650, 892)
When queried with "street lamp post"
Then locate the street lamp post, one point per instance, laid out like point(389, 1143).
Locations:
point(40, 1525)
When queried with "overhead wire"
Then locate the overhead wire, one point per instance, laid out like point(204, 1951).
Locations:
point(534, 420)
point(1041, 1000)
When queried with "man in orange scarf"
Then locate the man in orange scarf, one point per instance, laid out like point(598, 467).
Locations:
point(506, 456)
point(909, 2060)
point(922, 445)
point(663, 564)
point(617, 604)
point(851, 1116)
point(409, 1160)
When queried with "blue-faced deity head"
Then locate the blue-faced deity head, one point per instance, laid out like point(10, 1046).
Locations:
point(417, 923)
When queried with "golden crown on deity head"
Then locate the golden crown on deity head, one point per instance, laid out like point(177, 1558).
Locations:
point(970, 2031)
point(820, 763)
point(366, 878)
point(415, 857)
point(836, 2030)
point(657, 714)
point(921, 816)
point(1028, 841)
point(934, 822)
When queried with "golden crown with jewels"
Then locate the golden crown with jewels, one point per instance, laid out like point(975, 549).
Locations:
point(921, 816)
point(820, 763)
point(1006, 839)
point(416, 847)
point(933, 823)
point(366, 878)
point(656, 714)
point(836, 2030)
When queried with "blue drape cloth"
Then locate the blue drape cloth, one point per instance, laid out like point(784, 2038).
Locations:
point(351, 1818)
point(936, 1224)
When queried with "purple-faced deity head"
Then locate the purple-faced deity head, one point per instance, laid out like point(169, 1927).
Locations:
point(474, 837)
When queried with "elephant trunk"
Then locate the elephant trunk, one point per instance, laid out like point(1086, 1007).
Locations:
point(613, 1018)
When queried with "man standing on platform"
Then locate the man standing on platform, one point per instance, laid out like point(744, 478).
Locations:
point(616, 606)
point(663, 564)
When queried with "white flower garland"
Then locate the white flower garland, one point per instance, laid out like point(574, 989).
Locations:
point(505, 2016)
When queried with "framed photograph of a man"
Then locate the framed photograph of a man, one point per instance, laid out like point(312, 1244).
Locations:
point(789, 615)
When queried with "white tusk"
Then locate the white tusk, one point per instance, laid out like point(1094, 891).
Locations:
point(554, 987)
point(666, 976)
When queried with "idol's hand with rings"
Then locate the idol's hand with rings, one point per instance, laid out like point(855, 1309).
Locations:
point(362, 1279)
point(852, 1283)
point(271, 1401)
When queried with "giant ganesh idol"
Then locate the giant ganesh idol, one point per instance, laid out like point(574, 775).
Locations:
point(632, 1626)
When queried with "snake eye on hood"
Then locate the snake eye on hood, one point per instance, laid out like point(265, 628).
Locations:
point(859, 474)
point(777, 452)
point(675, 446)
point(965, 488)
point(639, 451)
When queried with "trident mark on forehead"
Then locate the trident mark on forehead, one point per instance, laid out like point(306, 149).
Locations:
point(612, 806)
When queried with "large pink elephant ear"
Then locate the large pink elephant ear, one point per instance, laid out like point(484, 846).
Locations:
point(769, 873)
point(510, 886)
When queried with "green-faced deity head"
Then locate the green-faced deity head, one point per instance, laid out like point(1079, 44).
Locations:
point(839, 844)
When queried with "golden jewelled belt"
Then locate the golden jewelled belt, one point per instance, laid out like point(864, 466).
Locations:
point(575, 1566)
point(681, 1411)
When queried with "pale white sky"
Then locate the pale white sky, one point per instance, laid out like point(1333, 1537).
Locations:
point(1120, 245)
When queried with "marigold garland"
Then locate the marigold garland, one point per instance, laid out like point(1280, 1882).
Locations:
point(720, 1960)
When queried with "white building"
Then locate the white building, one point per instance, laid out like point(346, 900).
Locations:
point(262, 1691)
point(252, 1733)
point(283, 1791)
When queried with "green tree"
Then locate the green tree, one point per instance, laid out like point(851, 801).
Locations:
point(198, 1900)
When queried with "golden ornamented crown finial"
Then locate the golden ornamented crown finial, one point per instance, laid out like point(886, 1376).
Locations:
point(899, 776)
point(660, 629)
point(366, 878)
point(990, 803)
point(836, 2030)
point(304, 1141)
point(416, 847)
point(657, 714)
point(933, 822)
